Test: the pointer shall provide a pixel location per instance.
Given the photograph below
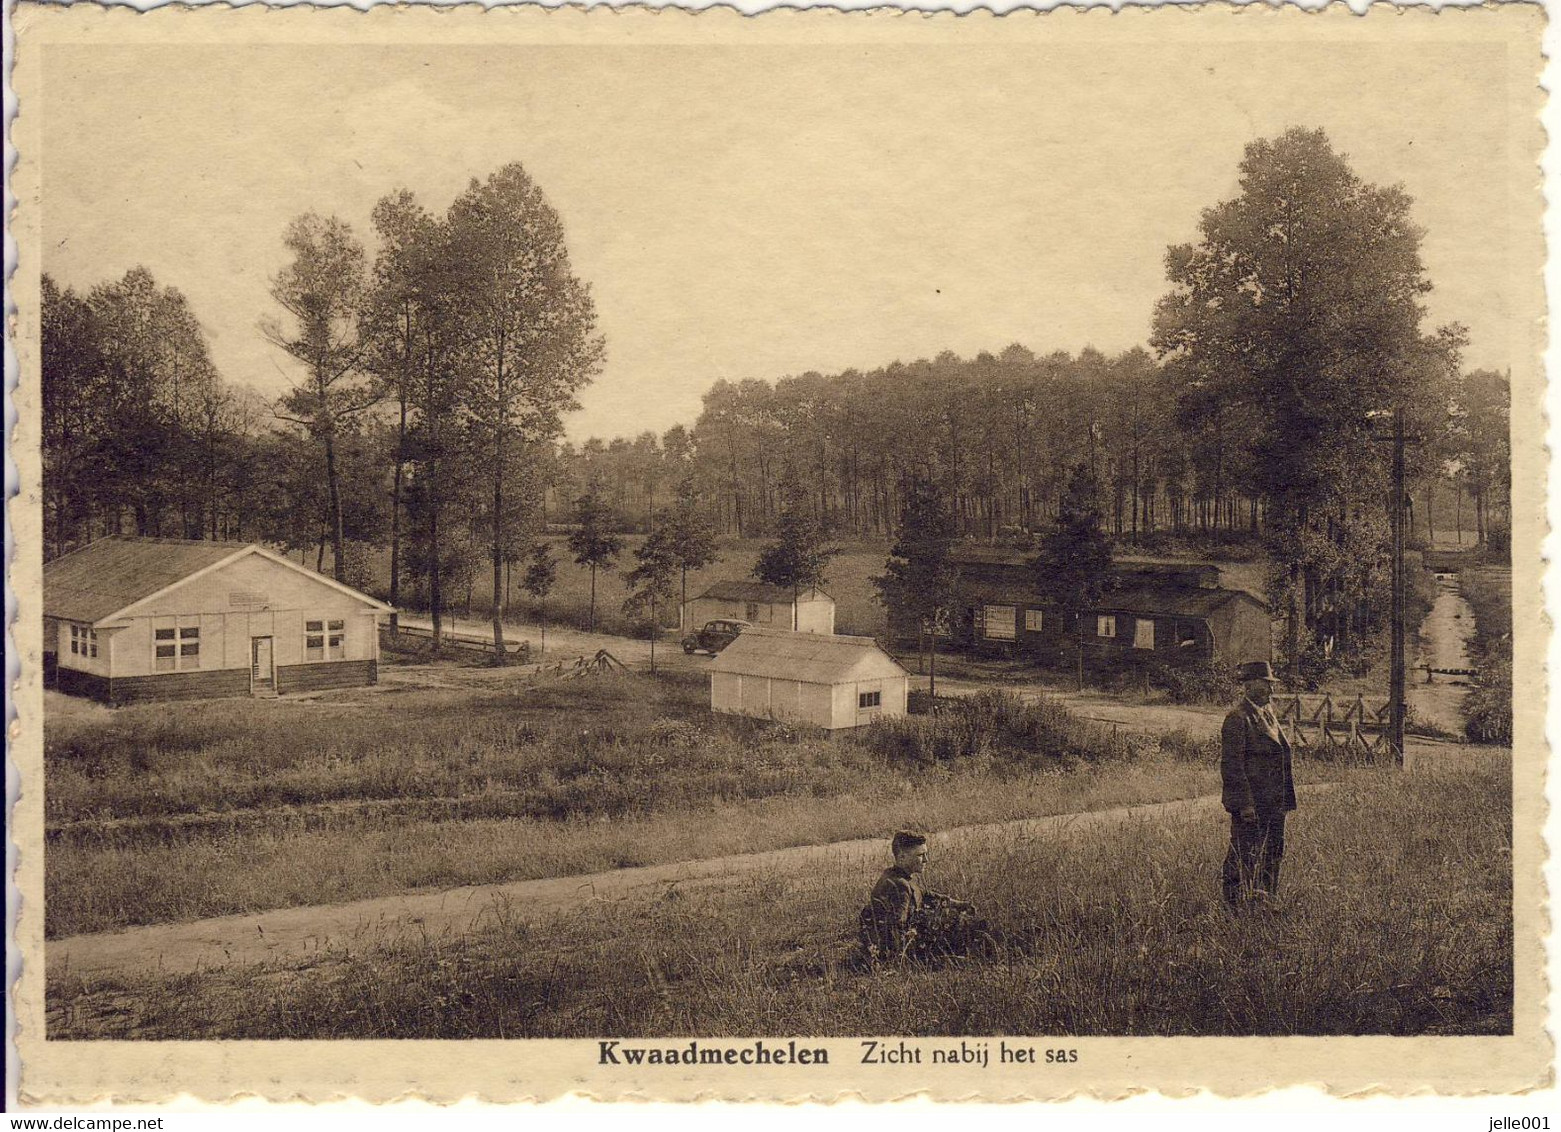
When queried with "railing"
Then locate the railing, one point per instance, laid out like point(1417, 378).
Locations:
point(1343, 724)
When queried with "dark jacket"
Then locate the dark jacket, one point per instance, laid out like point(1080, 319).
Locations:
point(894, 911)
point(1255, 763)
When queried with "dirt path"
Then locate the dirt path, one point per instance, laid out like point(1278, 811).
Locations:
point(1444, 640)
point(296, 934)
point(566, 645)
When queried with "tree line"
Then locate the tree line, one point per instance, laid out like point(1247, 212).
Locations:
point(434, 369)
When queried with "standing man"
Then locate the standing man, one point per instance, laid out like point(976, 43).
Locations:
point(1259, 789)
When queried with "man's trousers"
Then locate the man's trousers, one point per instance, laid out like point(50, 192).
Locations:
point(1252, 862)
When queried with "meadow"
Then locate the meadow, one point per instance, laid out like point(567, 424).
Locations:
point(239, 806)
point(857, 610)
point(1397, 920)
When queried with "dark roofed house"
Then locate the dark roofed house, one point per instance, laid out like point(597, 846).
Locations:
point(1173, 611)
point(150, 618)
point(763, 605)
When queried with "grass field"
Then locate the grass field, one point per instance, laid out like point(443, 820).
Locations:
point(856, 607)
point(1397, 921)
point(233, 806)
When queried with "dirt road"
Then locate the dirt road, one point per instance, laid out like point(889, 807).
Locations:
point(1444, 641)
point(296, 934)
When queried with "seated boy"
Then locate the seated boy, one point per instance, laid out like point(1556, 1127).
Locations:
point(902, 920)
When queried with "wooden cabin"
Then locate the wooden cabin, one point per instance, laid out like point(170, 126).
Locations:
point(164, 619)
point(810, 610)
point(829, 681)
point(1175, 612)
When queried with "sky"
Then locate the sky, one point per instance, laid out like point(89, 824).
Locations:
point(768, 209)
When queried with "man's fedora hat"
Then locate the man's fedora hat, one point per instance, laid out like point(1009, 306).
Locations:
point(1256, 670)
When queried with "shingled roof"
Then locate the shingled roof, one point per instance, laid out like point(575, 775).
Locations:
point(812, 658)
point(103, 577)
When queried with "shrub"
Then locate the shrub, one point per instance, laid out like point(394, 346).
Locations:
point(1488, 706)
point(1032, 733)
point(1206, 682)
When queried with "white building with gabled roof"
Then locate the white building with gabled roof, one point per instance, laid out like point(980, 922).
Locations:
point(829, 681)
point(159, 619)
point(806, 610)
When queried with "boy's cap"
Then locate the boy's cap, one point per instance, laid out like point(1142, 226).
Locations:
point(906, 839)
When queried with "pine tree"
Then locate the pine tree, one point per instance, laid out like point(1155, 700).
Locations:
point(919, 579)
point(798, 558)
point(1074, 565)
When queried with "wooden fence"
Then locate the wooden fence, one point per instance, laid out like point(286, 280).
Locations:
point(1348, 725)
point(467, 641)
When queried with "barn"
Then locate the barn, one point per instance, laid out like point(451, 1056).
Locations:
point(763, 605)
point(829, 681)
point(1175, 612)
point(134, 619)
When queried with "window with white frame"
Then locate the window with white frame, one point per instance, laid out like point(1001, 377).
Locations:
point(1032, 621)
point(83, 641)
point(869, 699)
point(325, 640)
point(176, 648)
point(1106, 625)
point(998, 622)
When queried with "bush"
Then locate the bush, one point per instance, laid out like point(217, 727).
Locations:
point(1206, 682)
point(1498, 544)
point(1488, 706)
point(1000, 726)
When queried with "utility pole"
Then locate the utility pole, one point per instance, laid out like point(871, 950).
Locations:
point(1396, 667)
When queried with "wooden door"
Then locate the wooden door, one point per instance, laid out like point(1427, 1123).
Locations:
point(261, 670)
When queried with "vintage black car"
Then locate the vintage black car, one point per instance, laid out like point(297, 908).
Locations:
point(714, 637)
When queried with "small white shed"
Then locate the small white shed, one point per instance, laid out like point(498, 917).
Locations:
point(764, 605)
point(829, 681)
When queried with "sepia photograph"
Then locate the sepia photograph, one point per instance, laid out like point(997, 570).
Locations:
point(818, 544)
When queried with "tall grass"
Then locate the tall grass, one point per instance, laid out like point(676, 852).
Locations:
point(232, 807)
point(1397, 921)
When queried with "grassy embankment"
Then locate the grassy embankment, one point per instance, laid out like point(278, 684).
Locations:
point(1488, 707)
point(234, 806)
point(1397, 921)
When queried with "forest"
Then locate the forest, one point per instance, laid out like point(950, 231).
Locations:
point(437, 363)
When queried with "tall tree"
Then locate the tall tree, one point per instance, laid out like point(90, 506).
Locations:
point(798, 558)
point(321, 291)
point(650, 585)
point(541, 574)
point(690, 539)
point(530, 330)
point(919, 579)
point(1073, 568)
point(393, 327)
point(592, 542)
point(1301, 304)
